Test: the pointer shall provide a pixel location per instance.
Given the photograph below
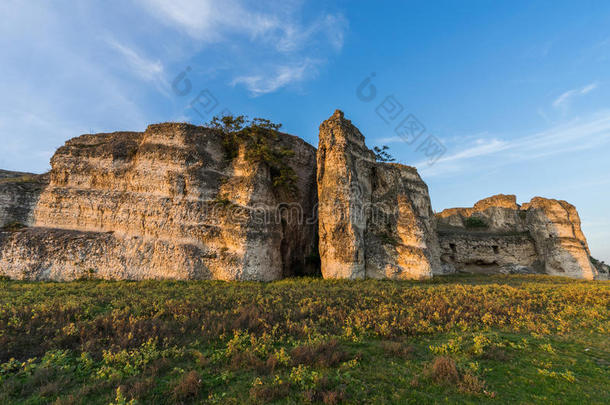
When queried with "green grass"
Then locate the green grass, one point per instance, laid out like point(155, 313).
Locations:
point(466, 339)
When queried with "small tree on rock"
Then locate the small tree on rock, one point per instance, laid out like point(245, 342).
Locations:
point(382, 154)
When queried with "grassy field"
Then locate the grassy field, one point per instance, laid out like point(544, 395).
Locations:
point(467, 339)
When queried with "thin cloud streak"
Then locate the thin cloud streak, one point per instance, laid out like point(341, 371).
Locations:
point(145, 68)
point(481, 148)
point(577, 135)
point(284, 75)
point(565, 98)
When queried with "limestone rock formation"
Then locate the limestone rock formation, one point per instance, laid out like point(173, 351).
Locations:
point(499, 213)
point(19, 194)
point(555, 226)
point(375, 219)
point(166, 203)
point(186, 202)
point(497, 234)
point(603, 270)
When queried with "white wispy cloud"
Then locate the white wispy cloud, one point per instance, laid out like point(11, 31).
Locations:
point(274, 22)
point(210, 21)
point(146, 68)
point(580, 134)
point(272, 45)
point(296, 36)
point(263, 83)
point(565, 98)
point(481, 147)
point(142, 67)
point(195, 18)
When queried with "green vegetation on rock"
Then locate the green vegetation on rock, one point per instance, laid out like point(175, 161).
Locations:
point(260, 138)
point(475, 222)
point(459, 339)
point(382, 154)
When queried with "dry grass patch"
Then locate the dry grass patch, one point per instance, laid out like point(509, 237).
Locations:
point(444, 371)
point(398, 349)
point(265, 393)
point(327, 354)
point(188, 386)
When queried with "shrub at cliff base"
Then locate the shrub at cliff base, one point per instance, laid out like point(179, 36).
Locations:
point(465, 339)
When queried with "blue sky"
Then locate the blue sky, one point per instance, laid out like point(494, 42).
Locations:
point(515, 92)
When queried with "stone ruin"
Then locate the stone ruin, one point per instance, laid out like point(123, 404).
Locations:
point(168, 203)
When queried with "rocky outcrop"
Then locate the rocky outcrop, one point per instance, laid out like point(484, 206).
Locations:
point(555, 226)
point(167, 202)
point(497, 234)
point(186, 202)
point(375, 219)
point(603, 270)
point(499, 213)
point(19, 194)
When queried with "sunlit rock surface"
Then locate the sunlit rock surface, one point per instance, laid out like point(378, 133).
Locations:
point(165, 203)
point(375, 219)
point(170, 202)
point(498, 235)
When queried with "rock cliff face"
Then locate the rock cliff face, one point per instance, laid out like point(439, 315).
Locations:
point(498, 235)
point(555, 226)
point(19, 194)
point(375, 219)
point(166, 203)
point(603, 270)
point(186, 202)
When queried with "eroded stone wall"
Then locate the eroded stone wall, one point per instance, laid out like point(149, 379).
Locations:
point(551, 227)
point(489, 253)
point(166, 203)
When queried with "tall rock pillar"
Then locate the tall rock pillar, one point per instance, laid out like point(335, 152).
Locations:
point(344, 193)
point(375, 219)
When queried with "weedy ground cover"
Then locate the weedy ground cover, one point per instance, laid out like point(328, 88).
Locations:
point(467, 339)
